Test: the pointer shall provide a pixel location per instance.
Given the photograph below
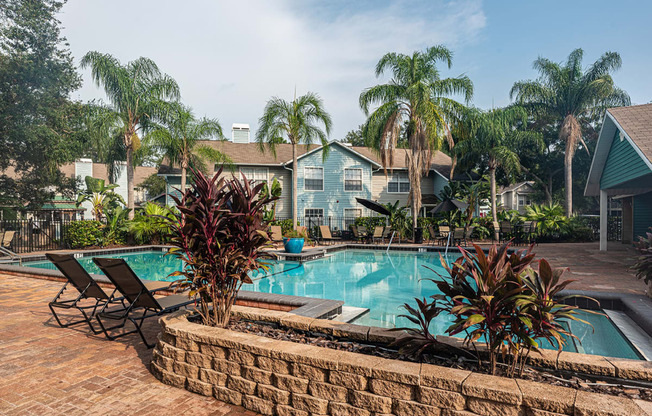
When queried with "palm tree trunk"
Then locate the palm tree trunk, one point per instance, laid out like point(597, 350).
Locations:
point(568, 177)
point(130, 181)
point(492, 179)
point(295, 173)
point(184, 172)
point(548, 190)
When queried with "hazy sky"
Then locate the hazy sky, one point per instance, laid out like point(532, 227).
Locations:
point(229, 58)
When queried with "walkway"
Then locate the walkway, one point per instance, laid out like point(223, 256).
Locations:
point(47, 370)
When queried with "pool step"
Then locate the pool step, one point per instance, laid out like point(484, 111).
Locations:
point(636, 336)
point(350, 313)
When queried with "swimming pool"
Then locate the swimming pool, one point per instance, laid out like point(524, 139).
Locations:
point(372, 279)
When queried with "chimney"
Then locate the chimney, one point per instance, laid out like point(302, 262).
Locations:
point(240, 133)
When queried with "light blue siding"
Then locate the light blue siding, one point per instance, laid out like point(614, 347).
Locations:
point(333, 199)
point(438, 184)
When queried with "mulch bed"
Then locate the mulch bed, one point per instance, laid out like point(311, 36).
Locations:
point(445, 359)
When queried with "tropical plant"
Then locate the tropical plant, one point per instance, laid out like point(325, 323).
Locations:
point(414, 102)
point(150, 224)
point(101, 196)
point(567, 92)
point(180, 139)
point(116, 226)
point(550, 218)
point(286, 225)
point(473, 194)
point(397, 217)
point(219, 234)
point(495, 298)
point(137, 93)
point(496, 134)
point(274, 191)
point(643, 265)
point(297, 120)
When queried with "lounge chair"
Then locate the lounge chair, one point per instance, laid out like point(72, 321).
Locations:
point(276, 234)
point(140, 303)
point(377, 235)
point(356, 233)
point(87, 287)
point(7, 238)
point(387, 234)
point(326, 235)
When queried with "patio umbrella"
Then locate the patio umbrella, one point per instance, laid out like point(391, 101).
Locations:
point(449, 205)
point(373, 205)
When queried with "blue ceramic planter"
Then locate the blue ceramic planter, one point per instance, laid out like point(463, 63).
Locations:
point(293, 245)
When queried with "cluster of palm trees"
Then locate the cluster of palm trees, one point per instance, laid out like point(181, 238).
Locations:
point(416, 109)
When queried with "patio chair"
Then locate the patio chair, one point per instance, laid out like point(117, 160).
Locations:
point(326, 235)
point(468, 235)
point(377, 235)
point(363, 232)
point(88, 289)
point(442, 235)
point(506, 229)
point(140, 302)
point(276, 234)
point(458, 236)
point(7, 239)
point(355, 233)
point(387, 234)
point(530, 232)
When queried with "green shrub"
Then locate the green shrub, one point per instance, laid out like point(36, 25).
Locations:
point(370, 222)
point(81, 234)
point(643, 266)
point(286, 225)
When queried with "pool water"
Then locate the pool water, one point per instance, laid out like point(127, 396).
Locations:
point(379, 281)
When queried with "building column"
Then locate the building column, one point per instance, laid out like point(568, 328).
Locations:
point(603, 220)
point(628, 220)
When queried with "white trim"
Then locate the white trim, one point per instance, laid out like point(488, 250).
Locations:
point(322, 179)
point(636, 148)
point(313, 216)
point(399, 185)
point(319, 146)
point(254, 168)
point(361, 179)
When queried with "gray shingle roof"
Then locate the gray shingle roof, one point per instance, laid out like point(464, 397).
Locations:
point(636, 121)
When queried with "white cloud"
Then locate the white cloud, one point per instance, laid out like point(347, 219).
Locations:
point(231, 57)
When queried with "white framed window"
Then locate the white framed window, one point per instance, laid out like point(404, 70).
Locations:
point(353, 179)
point(313, 178)
point(398, 183)
point(257, 175)
point(350, 214)
point(524, 200)
point(313, 212)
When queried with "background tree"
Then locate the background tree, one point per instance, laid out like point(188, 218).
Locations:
point(298, 121)
point(567, 92)
point(137, 93)
point(414, 102)
point(496, 135)
point(38, 122)
point(354, 137)
point(180, 139)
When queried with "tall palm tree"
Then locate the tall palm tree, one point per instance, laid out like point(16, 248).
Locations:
point(179, 140)
point(137, 93)
point(297, 121)
point(495, 136)
point(568, 93)
point(415, 102)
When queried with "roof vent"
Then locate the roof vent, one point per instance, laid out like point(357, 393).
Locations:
point(240, 133)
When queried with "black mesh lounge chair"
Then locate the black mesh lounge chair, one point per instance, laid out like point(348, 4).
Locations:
point(88, 290)
point(140, 302)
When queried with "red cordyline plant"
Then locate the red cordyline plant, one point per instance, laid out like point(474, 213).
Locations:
point(219, 234)
point(497, 298)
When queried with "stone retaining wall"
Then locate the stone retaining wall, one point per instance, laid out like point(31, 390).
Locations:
point(282, 378)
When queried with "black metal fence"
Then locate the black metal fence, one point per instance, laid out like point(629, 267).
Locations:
point(35, 235)
point(614, 228)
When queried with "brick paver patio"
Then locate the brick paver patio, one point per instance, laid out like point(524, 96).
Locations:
point(48, 370)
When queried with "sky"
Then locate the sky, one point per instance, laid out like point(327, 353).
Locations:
point(229, 58)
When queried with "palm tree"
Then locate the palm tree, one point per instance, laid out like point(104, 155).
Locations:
point(101, 196)
point(496, 135)
point(298, 122)
point(180, 137)
point(568, 93)
point(416, 102)
point(136, 92)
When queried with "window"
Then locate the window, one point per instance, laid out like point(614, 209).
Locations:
point(313, 179)
point(398, 183)
point(353, 179)
point(350, 214)
point(314, 212)
point(523, 200)
point(257, 175)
